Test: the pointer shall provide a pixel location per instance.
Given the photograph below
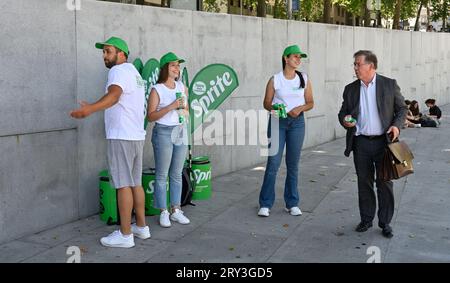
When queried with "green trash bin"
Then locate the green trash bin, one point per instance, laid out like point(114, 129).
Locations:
point(201, 167)
point(148, 182)
point(109, 211)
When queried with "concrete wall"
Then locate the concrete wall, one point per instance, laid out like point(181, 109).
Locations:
point(49, 162)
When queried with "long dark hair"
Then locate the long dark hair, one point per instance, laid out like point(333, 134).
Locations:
point(302, 80)
point(164, 74)
point(414, 110)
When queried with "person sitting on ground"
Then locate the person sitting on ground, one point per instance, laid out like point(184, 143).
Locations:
point(434, 111)
point(410, 121)
point(414, 107)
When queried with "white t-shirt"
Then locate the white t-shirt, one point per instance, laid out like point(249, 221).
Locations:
point(125, 119)
point(166, 97)
point(289, 92)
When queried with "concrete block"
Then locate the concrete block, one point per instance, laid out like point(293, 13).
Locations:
point(17, 251)
point(233, 246)
point(39, 52)
point(93, 251)
point(244, 48)
point(39, 181)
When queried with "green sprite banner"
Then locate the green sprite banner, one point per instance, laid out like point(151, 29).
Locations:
point(138, 65)
point(185, 77)
point(209, 88)
point(150, 73)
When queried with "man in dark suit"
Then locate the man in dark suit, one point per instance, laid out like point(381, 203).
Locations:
point(378, 110)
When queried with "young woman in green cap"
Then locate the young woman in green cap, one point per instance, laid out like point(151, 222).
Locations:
point(292, 89)
point(169, 137)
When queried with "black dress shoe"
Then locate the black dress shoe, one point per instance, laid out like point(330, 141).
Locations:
point(363, 226)
point(387, 232)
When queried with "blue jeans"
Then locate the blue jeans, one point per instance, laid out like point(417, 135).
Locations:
point(291, 131)
point(169, 150)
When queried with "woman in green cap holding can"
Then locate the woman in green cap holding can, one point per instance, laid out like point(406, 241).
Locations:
point(168, 98)
point(293, 91)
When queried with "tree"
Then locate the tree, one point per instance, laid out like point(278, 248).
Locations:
point(212, 5)
point(311, 10)
point(441, 11)
point(417, 24)
point(261, 10)
point(398, 7)
point(326, 11)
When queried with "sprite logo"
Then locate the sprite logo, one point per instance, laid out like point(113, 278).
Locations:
point(209, 88)
point(201, 176)
point(151, 187)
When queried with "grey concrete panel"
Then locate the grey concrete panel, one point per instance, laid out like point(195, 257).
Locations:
point(63, 233)
point(38, 56)
point(244, 48)
point(39, 181)
point(206, 244)
point(243, 218)
point(327, 234)
point(274, 40)
point(17, 251)
point(93, 251)
point(297, 33)
point(211, 39)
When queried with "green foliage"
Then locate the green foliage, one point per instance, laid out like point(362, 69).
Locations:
point(440, 9)
point(213, 5)
point(311, 10)
point(279, 9)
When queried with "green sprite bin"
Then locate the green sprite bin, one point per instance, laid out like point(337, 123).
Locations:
point(109, 211)
point(148, 182)
point(201, 167)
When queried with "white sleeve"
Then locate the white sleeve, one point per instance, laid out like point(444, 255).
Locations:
point(117, 77)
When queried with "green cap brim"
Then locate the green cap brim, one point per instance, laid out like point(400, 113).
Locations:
point(100, 45)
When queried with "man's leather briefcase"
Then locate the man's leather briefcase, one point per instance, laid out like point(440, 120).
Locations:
point(397, 161)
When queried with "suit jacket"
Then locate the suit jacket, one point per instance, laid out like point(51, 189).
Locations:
point(390, 103)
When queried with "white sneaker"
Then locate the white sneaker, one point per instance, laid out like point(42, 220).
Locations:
point(117, 240)
point(140, 232)
point(295, 211)
point(264, 211)
point(179, 217)
point(164, 219)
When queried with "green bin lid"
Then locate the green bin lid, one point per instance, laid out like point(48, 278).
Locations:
point(200, 159)
point(103, 173)
point(148, 171)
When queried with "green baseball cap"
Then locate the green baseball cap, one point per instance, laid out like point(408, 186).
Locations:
point(116, 42)
point(169, 57)
point(294, 49)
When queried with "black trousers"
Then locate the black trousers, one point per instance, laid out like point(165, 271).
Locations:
point(368, 156)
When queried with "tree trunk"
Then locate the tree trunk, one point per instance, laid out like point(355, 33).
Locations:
point(398, 8)
point(366, 16)
point(379, 24)
point(261, 10)
point(417, 25)
point(444, 15)
point(428, 14)
point(326, 11)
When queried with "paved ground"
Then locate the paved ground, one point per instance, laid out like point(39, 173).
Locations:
point(227, 229)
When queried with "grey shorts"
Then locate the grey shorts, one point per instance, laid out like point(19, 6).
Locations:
point(125, 162)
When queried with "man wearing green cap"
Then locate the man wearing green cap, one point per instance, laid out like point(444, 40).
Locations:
point(124, 105)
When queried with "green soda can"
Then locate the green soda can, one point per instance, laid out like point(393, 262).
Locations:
point(350, 119)
point(281, 110)
point(180, 111)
